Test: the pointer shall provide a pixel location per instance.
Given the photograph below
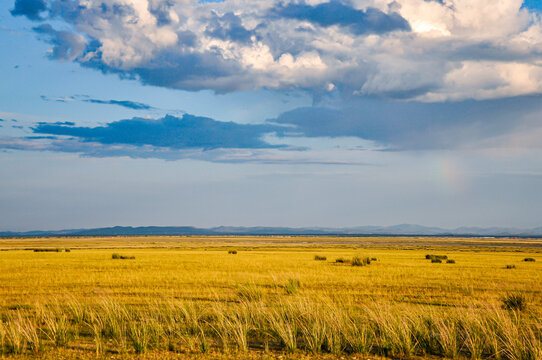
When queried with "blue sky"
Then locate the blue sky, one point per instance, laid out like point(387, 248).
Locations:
point(287, 113)
point(533, 4)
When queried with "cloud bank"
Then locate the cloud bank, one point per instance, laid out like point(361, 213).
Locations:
point(419, 126)
point(421, 50)
point(170, 132)
point(168, 138)
point(376, 124)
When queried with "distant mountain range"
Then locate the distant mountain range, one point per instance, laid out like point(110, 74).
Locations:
point(396, 230)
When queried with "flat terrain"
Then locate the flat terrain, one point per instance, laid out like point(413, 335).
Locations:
point(269, 271)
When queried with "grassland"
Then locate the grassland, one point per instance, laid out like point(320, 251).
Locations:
point(193, 297)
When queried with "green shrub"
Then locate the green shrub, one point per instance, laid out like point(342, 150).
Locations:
point(342, 260)
point(320, 258)
point(232, 252)
point(374, 259)
point(436, 260)
point(450, 261)
point(67, 250)
point(529, 260)
point(510, 266)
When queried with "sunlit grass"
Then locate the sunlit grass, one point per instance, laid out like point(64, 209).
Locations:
point(269, 296)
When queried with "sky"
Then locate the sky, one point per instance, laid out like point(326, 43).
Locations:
point(295, 113)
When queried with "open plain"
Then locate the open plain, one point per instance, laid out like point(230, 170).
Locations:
point(260, 297)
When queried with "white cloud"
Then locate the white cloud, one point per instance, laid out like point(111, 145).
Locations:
point(456, 49)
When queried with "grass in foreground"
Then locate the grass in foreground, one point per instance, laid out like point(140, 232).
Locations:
point(320, 325)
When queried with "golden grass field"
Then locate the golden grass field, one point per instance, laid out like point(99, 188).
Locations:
point(188, 297)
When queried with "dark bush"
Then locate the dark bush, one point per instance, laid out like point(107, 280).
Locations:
point(450, 261)
point(515, 301)
point(529, 259)
point(436, 257)
point(342, 260)
point(374, 259)
point(436, 260)
point(320, 258)
point(232, 252)
point(357, 261)
point(122, 257)
point(510, 267)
